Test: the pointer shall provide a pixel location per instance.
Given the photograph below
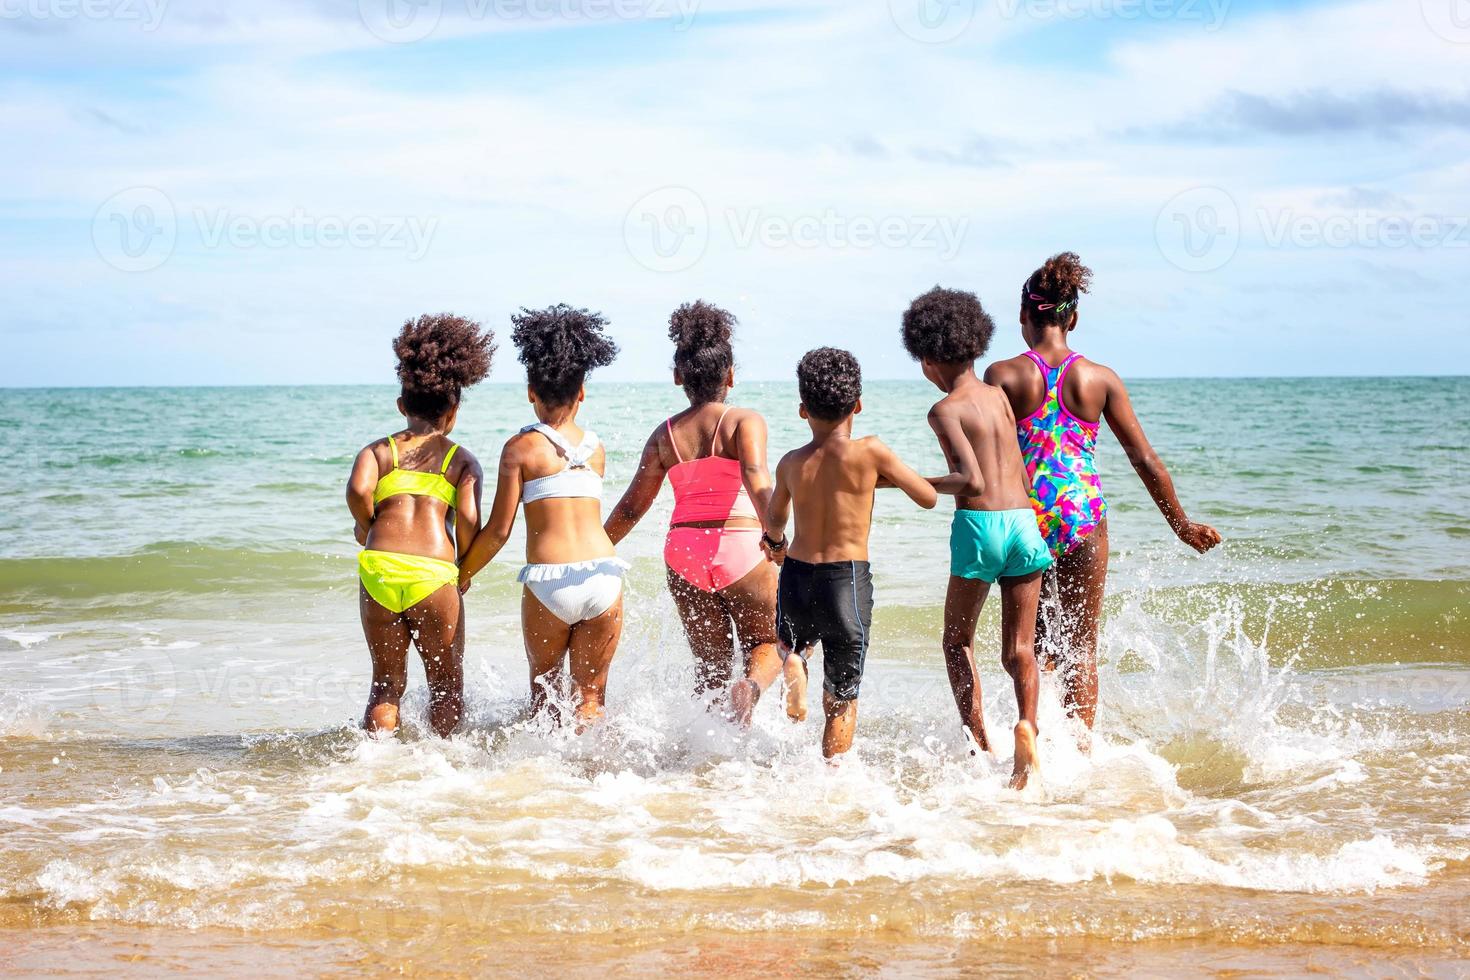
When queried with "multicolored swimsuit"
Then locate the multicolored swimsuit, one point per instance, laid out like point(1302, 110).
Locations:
point(1058, 447)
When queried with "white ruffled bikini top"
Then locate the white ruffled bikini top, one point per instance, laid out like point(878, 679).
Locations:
point(577, 479)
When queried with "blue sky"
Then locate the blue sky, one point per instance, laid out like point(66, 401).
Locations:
point(260, 191)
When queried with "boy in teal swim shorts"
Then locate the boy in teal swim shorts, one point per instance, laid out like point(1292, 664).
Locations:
point(994, 537)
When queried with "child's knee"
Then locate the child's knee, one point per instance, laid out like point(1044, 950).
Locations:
point(835, 707)
point(1019, 659)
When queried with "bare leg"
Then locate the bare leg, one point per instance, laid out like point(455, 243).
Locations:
point(593, 643)
point(547, 639)
point(962, 604)
point(841, 724)
point(1081, 582)
point(387, 639)
point(706, 618)
point(1019, 598)
point(794, 674)
point(752, 602)
point(438, 631)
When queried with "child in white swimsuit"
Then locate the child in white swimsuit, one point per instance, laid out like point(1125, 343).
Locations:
point(572, 604)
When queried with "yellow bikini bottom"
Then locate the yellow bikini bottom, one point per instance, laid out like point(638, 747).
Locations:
point(398, 582)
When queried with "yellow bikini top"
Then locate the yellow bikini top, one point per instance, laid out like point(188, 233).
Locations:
point(417, 482)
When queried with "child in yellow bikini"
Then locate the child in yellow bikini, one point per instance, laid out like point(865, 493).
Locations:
point(403, 492)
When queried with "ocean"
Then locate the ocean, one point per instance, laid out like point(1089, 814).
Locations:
point(1279, 786)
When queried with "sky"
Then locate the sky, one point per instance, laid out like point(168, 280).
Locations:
point(262, 191)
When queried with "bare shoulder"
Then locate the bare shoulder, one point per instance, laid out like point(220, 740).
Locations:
point(946, 407)
point(874, 448)
point(467, 461)
point(747, 416)
point(1000, 372)
point(1091, 372)
point(519, 448)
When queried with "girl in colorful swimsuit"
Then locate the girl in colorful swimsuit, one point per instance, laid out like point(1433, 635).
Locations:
point(714, 456)
point(572, 603)
point(415, 498)
point(1059, 399)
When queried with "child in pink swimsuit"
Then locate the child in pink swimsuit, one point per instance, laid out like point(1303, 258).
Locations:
point(715, 458)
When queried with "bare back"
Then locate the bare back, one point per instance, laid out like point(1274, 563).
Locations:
point(984, 416)
point(832, 484)
point(560, 529)
point(1085, 388)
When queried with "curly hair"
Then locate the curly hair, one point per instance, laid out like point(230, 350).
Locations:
point(947, 326)
point(831, 382)
point(702, 352)
point(559, 346)
point(440, 355)
point(1057, 285)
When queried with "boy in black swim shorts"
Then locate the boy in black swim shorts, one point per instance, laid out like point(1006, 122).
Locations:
point(826, 591)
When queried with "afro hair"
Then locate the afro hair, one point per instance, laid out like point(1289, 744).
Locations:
point(440, 355)
point(702, 353)
point(559, 346)
point(831, 382)
point(947, 326)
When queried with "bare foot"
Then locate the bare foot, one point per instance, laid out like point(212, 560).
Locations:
point(589, 713)
point(1026, 761)
point(382, 720)
point(793, 672)
point(743, 696)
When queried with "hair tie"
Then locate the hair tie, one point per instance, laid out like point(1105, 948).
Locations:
point(1042, 305)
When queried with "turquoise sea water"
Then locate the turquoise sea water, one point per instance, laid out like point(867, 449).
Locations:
point(1285, 720)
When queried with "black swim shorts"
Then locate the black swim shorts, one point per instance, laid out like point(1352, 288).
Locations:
point(829, 603)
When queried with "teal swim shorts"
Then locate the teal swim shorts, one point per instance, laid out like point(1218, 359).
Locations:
point(995, 544)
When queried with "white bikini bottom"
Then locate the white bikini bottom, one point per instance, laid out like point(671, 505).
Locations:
point(577, 591)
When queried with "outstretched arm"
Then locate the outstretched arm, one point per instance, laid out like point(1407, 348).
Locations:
point(964, 478)
point(496, 532)
point(1118, 410)
point(776, 515)
point(641, 493)
point(750, 447)
point(467, 512)
point(360, 485)
point(894, 472)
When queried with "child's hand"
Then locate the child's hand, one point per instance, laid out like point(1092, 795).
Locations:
point(1200, 537)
